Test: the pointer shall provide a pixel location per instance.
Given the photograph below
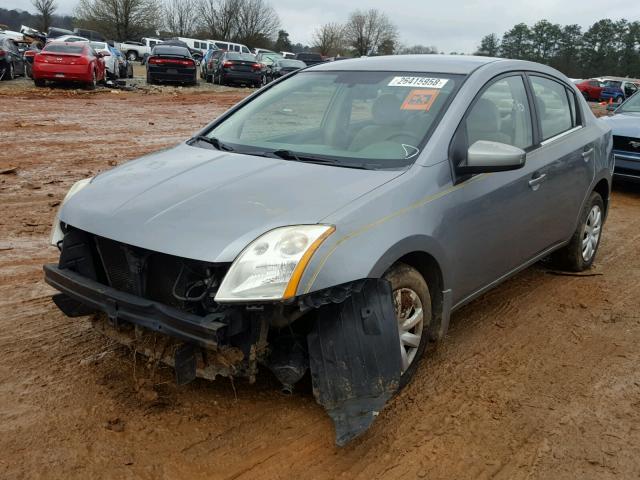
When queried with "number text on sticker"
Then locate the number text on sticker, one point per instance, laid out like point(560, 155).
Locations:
point(422, 82)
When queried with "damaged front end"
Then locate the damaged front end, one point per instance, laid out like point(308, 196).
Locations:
point(346, 336)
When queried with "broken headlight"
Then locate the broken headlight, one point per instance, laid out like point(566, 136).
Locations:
point(56, 231)
point(271, 266)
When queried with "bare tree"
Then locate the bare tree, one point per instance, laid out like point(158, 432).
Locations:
point(329, 39)
point(417, 49)
point(367, 30)
point(180, 16)
point(120, 19)
point(219, 18)
point(258, 22)
point(46, 9)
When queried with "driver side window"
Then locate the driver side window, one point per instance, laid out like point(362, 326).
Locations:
point(502, 114)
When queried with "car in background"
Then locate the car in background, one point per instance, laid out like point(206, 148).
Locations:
point(288, 55)
point(125, 67)
point(591, 89)
point(110, 61)
point(55, 32)
point(231, 46)
point(258, 51)
point(11, 60)
point(617, 90)
point(238, 68)
point(208, 64)
point(334, 222)
point(171, 63)
point(28, 56)
point(68, 38)
point(137, 50)
point(283, 67)
point(310, 58)
point(625, 126)
point(68, 62)
point(90, 34)
point(196, 54)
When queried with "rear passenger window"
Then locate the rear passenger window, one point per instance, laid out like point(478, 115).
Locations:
point(575, 118)
point(553, 107)
point(502, 114)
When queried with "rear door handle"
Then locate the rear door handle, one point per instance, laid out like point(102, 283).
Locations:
point(586, 154)
point(535, 182)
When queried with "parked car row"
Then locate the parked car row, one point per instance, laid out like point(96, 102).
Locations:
point(607, 89)
point(625, 126)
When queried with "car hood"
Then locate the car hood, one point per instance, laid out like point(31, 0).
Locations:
point(624, 124)
point(208, 205)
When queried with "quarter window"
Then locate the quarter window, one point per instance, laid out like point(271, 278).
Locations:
point(553, 107)
point(502, 114)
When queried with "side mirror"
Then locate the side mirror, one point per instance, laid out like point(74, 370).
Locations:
point(484, 156)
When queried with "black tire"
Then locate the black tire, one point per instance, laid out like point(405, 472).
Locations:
point(39, 82)
point(132, 56)
point(11, 74)
point(150, 80)
point(208, 79)
point(586, 96)
point(92, 85)
point(27, 70)
point(570, 257)
point(402, 276)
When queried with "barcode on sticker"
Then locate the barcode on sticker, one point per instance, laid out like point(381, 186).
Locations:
point(422, 82)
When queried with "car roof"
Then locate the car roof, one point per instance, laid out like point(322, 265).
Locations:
point(455, 64)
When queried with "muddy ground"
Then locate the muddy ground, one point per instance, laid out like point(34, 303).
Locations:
point(538, 379)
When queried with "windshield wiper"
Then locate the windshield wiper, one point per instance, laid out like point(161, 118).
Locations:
point(212, 141)
point(289, 155)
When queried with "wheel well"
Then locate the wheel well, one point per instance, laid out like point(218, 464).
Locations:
point(431, 272)
point(602, 187)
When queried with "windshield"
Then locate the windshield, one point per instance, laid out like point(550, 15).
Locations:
point(368, 119)
point(246, 57)
point(612, 83)
point(630, 106)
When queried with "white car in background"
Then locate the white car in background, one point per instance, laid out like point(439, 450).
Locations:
point(110, 61)
point(68, 38)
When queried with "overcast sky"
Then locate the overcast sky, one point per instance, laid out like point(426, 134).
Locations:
point(453, 25)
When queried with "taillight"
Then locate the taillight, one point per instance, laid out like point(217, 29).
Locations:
point(170, 61)
point(227, 64)
point(256, 66)
point(153, 60)
point(2, 53)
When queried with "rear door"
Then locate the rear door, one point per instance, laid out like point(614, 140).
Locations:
point(564, 160)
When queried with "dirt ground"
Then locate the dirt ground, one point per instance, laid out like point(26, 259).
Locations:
point(538, 379)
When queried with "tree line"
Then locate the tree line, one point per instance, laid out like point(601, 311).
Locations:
point(607, 47)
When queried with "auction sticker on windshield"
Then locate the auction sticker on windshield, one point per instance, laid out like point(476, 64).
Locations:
point(422, 82)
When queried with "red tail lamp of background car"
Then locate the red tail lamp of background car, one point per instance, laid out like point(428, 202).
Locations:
point(171, 61)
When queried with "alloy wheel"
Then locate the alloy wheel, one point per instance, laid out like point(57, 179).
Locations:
point(591, 233)
point(410, 318)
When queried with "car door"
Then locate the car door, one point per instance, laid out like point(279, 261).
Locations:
point(565, 158)
point(495, 222)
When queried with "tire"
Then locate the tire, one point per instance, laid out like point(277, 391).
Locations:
point(27, 70)
point(92, 84)
point(619, 100)
point(150, 80)
point(12, 72)
point(132, 55)
point(586, 96)
point(575, 256)
point(39, 82)
point(208, 79)
point(408, 284)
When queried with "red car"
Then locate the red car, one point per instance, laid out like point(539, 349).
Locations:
point(68, 62)
point(591, 89)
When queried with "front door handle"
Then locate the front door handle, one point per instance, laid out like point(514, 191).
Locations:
point(586, 154)
point(535, 182)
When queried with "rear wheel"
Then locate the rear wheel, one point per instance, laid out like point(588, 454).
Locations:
point(586, 96)
point(580, 252)
point(39, 82)
point(208, 78)
point(11, 73)
point(150, 80)
point(94, 81)
point(132, 56)
point(412, 303)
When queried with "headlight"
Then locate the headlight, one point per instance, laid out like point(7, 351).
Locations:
point(56, 232)
point(271, 266)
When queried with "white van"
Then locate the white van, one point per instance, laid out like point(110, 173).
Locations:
point(197, 44)
point(230, 46)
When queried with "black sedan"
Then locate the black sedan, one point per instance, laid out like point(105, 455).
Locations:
point(238, 68)
point(284, 66)
point(168, 63)
point(11, 62)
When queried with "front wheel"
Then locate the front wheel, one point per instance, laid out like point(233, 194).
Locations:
point(578, 255)
point(412, 304)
